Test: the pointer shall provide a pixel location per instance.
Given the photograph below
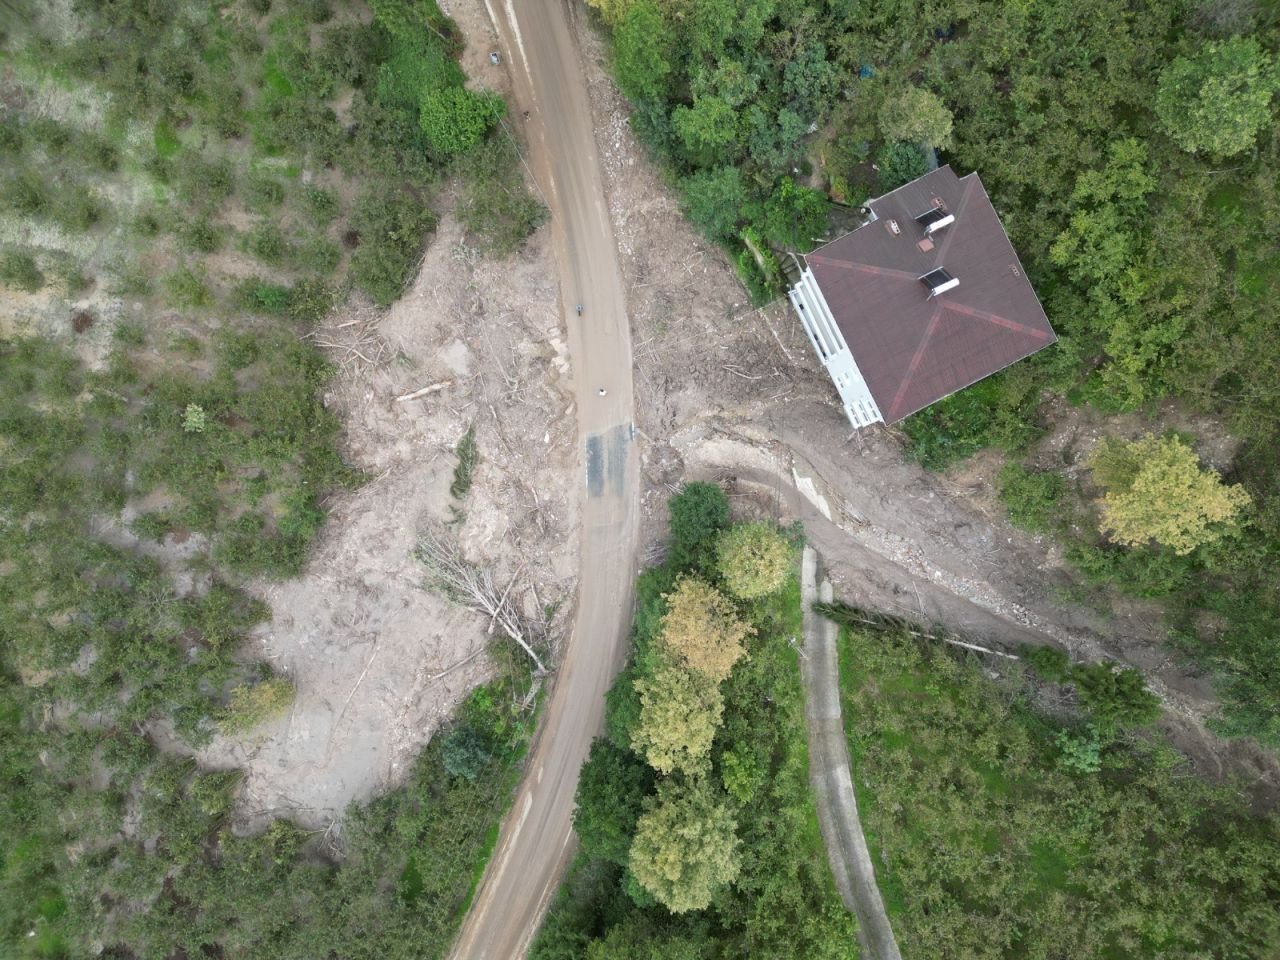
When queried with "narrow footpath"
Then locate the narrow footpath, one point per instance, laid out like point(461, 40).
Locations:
point(830, 773)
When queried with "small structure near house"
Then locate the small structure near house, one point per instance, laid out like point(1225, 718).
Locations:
point(925, 299)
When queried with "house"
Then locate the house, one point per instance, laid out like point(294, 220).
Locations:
point(923, 300)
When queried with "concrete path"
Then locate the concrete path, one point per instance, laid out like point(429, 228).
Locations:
point(830, 774)
point(536, 839)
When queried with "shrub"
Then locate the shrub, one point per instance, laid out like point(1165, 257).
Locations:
point(75, 208)
point(455, 119)
point(263, 193)
point(1116, 698)
point(696, 515)
point(27, 195)
point(317, 254)
point(468, 453)
point(252, 706)
point(261, 296)
point(267, 243)
point(392, 223)
point(322, 204)
point(900, 162)
point(188, 287)
point(754, 559)
point(18, 269)
point(200, 236)
point(1033, 498)
point(310, 300)
point(467, 751)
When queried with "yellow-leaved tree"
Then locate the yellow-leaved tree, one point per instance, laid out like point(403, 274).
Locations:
point(754, 559)
point(680, 711)
point(685, 847)
point(701, 628)
point(1157, 490)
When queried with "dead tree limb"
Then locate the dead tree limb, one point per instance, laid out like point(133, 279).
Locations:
point(415, 394)
point(472, 586)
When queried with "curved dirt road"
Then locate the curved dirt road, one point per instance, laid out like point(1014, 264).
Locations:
point(535, 841)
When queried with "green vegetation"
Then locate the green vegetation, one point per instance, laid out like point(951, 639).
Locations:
point(1131, 152)
point(176, 132)
point(995, 829)
point(715, 854)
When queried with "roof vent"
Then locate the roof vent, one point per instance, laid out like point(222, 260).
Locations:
point(934, 219)
point(939, 281)
point(893, 227)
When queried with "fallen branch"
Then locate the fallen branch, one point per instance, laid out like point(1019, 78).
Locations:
point(850, 615)
point(472, 586)
point(415, 394)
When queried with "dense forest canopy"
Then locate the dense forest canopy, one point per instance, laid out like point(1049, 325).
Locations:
point(1132, 152)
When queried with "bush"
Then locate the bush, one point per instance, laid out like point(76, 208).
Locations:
point(468, 453)
point(455, 119)
point(252, 706)
point(467, 752)
point(188, 287)
point(494, 206)
point(900, 163)
point(392, 224)
point(322, 204)
point(267, 243)
point(754, 559)
point(261, 296)
point(263, 193)
point(1034, 498)
point(200, 236)
point(696, 515)
point(19, 269)
point(75, 208)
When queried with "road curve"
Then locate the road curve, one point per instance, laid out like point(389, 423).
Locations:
point(535, 841)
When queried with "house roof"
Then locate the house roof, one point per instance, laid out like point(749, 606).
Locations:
point(913, 347)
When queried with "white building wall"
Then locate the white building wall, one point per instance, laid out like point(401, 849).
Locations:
point(834, 353)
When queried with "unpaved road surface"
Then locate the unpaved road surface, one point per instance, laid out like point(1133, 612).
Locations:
point(535, 841)
point(830, 774)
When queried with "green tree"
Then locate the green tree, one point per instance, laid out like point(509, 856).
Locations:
point(680, 711)
point(612, 787)
point(685, 849)
point(754, 559)
point(641, 43)
point(455, 119)
point(1156, 490)
point(707, 128)
point(695, 515)
point(916, 115)
point(1216, 101)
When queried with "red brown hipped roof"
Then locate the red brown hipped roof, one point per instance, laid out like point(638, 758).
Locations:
point(912, 349)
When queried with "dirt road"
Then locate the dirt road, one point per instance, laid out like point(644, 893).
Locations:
point(830, 775)
point(535, 840)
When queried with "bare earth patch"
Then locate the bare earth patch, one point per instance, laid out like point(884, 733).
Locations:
point(378, 661)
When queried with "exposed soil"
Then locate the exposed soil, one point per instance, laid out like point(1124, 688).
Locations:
point(368, 649)
point(735, 394)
